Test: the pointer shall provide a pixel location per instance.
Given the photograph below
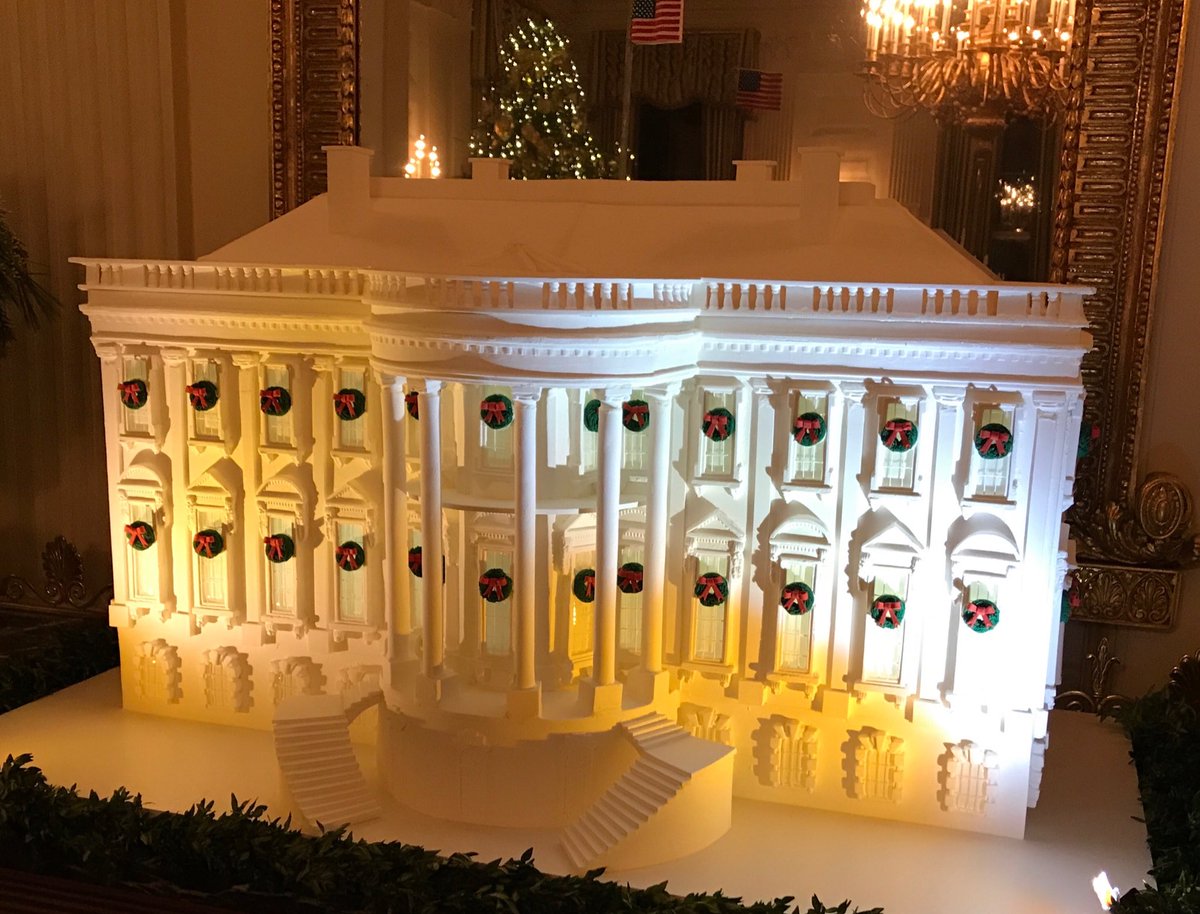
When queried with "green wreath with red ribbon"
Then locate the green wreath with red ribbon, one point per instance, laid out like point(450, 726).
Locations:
point(584, 585)
point(496, 411)
point(134, 393)
point(630, 577)
point(203, 395)
point(808, 429)
point(718, 424)
point(887, 611)
point(349, 404)
point(993, 441)
point(350, 556)
point(1071, 600)
point(208, 544)
point(591, 415)
point(635, 415)
point(275, 401)
point(495, 585)
point(416, 563)
point(981, 615)
point(796, 598)
point(139, 535)
point(279, 547)
point(411, 405)
point(899, 435)
point(711, 589)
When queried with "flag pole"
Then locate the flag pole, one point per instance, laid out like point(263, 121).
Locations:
point(626, 97)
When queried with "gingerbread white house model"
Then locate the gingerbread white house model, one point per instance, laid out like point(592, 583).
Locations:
point(608, 501)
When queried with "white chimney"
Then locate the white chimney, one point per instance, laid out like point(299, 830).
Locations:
point(817, 170)
point(755, 169)
point(485, 169)
point(349, 186)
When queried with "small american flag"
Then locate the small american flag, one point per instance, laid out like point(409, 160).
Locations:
point(756, 89)
point(657, 22)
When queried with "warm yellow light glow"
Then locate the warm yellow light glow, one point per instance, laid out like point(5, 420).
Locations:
point(1106, 893)
point(423, 163)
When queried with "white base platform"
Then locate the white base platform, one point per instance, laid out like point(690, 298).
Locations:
point(1084, 823)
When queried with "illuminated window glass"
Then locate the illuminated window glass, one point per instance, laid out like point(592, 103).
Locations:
point(710, 620)
point(883, 648)
point(795, 632)
point(281, 576)
point(211, 573)
point(279, 428)
point(137, 421)
point(352, 432)
point(989, 476)
point(716, 457)
point(807, 464)
point(351, 585)
point(894, 469)
point(497, 617)
point(630, 615)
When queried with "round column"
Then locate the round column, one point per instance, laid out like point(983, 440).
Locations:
point(433, 619)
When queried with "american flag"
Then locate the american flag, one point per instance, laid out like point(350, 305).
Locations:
point(756, 89)
point(657, 22)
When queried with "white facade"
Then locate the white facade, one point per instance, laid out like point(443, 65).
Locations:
point(532, 707)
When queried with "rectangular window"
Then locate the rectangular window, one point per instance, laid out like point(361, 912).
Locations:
point(635, 444)
point(795, 632)
point(806, 463)
point(497, 617)
point(582, 619)
point(894, 469)
point(589, 441)
point(495, 444)
point(281, 576)
point(143, 563)
point(630, 611)
point(716, 457)
point(278, 429)
point(414, 582)
point(207, 423)
point(352, 432)
point(710, 620)
point(351, 585)
point(883, 648)
point(989, 475)
point(211, 573)
point(412, 427)
point(137, 421)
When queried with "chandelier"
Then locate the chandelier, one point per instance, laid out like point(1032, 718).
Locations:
point(967, 60)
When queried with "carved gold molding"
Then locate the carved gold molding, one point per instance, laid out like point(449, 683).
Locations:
point(1108, 226)
point(314, 93)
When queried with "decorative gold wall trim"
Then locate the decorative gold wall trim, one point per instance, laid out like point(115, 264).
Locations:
point(1117, 138)
point(314, 93)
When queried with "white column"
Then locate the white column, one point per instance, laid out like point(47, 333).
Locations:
point(525, 459)
point(429, 402)
point(396, 584)
point(657, 491)
point(243, 405)
point(608, 507)
point(850, 505)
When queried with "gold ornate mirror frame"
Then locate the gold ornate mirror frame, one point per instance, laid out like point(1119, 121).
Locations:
point(1132, 539)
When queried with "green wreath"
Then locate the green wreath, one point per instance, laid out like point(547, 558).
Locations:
point(203, 395)
point(899, 435)
point(134, 393)
point(584, 585)
point(349, 404)
point(888, 611)
point(279, 547)
point(711, 589)
point(139, 535)
point(981, 615)
point(797, 598)
point(495, 585)
point(496, 411)
point(993, 441)
point(635, 415)
point(275, 401)
point(411, 405)
point(718, 424)
point(591, 415)
point(808, 429)
point(208, 544)
point(631, 577)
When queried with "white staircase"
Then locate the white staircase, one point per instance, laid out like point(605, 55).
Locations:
point(668, 759)
point(316, 757)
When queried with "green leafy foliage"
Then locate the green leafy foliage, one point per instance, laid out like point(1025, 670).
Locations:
point(244, 860)
point(21, 296)
point(61, 656)
point(1165, 733)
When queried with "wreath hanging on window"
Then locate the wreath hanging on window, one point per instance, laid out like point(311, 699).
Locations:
point(888, 611)
point(711, 589)
point(349, 404)
point(635, 415)
point(808, 429)
point(139, 535)
point(275, 401)
point(584, 585)
point(630, 577)
point(410, 404)
point(351, 556)
point(591, 415)
point(797, 598)
point(279, 547)
point(495, 585)
point(899, 435)
point(203, 395)
point(496, 411)
point(993, 441)
point(208, 544)
point(981, 615)
point(718, 424)
point(134, 393)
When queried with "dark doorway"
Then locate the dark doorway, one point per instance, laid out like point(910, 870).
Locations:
point(670, 143)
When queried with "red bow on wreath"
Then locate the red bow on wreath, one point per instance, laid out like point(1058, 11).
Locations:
point(274, 546)
point(493, 586)
point(347, 557)
point(636, 413)
point(793, 596)
point(271, 402)
point(629, 580)
point(494, 412)
point(709, 587)
point(992, 439)
point(981, 612)
point(203, 542)
point(414, 562)
point(131, 391)
point(198, 396)
point(343, 403)
point(898, 429)
point(410, 403)
point(1073, 598)
point(136, 536)
point(806, 428)
point(887, 612)
point(589, 586)
point(716, 426)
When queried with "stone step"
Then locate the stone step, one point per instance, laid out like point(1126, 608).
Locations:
point(667, 780)
point(313, 741)
point(637, 805)
point(299, 725)
point(606, 830)
point(616, 821)
point(618, 811)
point(586, 841)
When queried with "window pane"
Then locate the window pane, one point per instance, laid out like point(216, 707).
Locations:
point(636, 443)
point(710, 620)
point(352, 432)
point(589, 441)
point(795, 632)
point(143, 564)
point(495, 444)
point(582, 618)
point(883, 648)
point(895, 468)
point(990, 477)
point(497, 617)
point(137, 421)
point(207, 423)
point(807, 464)
point(211, 572)
point(352, 585)
point(630, 613)
point(716, 457)
point(279, 428)
point(282, 575)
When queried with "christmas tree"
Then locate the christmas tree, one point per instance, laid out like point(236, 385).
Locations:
point(535, 115)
